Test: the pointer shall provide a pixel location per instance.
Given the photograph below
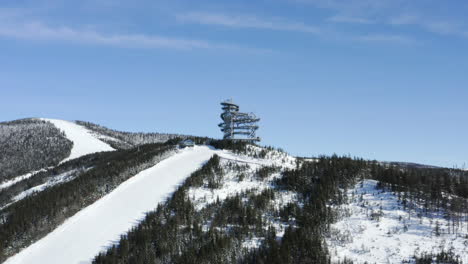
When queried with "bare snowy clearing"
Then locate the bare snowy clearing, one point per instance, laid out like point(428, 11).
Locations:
point(375, 228)
point(235, 182)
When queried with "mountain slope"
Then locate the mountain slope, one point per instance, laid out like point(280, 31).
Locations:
point(84, 142)
point(29, 145)
point(263, 206)
point(377, 226)
point(245, 204)
point(82, 236)
point(29, 219)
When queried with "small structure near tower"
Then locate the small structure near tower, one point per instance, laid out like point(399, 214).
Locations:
point(238, 126)
point(186, 143)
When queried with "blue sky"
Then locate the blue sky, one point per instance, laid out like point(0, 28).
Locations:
point(379, 79)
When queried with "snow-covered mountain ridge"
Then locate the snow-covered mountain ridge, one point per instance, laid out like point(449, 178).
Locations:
point(224, 202)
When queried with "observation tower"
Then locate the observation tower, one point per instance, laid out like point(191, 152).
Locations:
point(238, 126)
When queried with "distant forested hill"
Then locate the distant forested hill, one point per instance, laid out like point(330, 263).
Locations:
point(30, 144)
point(126, 140)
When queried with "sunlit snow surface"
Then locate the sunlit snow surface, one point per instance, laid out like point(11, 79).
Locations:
point(203, 196)
point(359, 238)
point(100, 225)
point(84, 142)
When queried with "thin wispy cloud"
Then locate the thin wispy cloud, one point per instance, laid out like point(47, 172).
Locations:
point(353, 7)
point(37, 31)
point(391, 12)
point(434, 26)
point(386, 38)
point(246, 21)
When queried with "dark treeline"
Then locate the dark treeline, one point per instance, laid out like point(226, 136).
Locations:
point(442, 257)
point(75, 167)
point(318, 184)
point(33, 217)
point(30, 144)
point(236, 146)
point(431, 189)
point(429, 180)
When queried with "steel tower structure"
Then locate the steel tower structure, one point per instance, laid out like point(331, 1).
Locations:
point(236, 125)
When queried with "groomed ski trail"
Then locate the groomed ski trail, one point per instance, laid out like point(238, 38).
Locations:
point(84, 142)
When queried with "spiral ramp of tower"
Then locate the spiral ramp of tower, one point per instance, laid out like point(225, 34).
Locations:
point(238, 126)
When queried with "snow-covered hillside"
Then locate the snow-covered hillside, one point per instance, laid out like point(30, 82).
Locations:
point(94, 228)
point(84, 141)
point(375, 228)
point(256, 199)
point(234, 183)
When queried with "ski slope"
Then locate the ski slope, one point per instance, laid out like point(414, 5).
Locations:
point(84, 142)
point(99, 225)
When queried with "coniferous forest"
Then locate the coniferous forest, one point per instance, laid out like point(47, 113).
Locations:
point(28, 145)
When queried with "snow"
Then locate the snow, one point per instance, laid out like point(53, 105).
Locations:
point(61, 178)
point(99, 225)
point(231, 185)
point(398, 235)
point(9, 183)
point(84, 141)
point(252, 243)
point(203, 196)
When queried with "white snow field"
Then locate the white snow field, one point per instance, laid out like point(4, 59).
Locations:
point(84, 141)
point(397, 235)
point(98, 226)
